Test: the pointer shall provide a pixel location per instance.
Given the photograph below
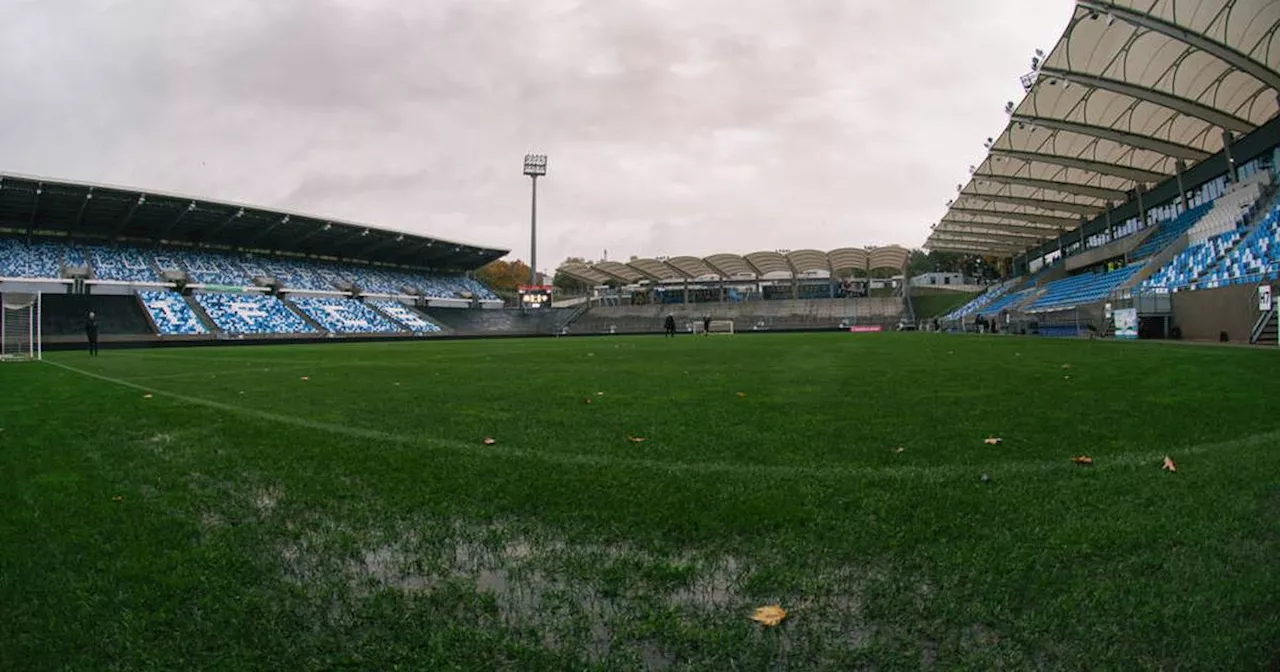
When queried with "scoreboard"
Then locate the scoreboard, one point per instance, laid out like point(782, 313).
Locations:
point(535, 296)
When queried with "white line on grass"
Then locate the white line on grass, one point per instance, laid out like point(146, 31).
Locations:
point(934, 473)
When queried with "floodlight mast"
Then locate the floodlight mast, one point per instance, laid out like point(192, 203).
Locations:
point(535, 166)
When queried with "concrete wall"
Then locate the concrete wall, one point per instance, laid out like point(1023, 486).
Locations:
point(1203, 314)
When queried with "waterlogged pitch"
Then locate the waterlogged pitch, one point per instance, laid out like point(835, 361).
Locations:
point(910, 501)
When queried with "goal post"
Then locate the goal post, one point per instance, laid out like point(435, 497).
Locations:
point(717, 327)
point(20, 337)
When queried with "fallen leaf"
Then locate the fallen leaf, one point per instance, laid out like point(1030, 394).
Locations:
point(117, 498)
point(1066, 377)
point(769, 615)
point(635, 439)
point(992, 440)
point(489, 440)
point(1083, 460)
point(1168, 464)
point(599, 394)
point(241, 392)
point(1066, 366)
point(306, 378)
point(396, 384)
point(587, 400)
point(986, 478)
point(146, 396)
point(742, 394)
point(899, 449)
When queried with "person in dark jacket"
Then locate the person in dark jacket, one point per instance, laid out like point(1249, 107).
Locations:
point(91, 332)
point(670, 326)
point(706, 326)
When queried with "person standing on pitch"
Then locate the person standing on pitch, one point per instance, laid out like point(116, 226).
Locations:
point(670, 326)
point(91, 332)
point(706, 325)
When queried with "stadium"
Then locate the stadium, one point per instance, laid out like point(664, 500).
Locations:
point(324, 444)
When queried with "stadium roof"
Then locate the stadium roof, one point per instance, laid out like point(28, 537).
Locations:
point(35, 205)
point(1131, 89)
point(733, 266)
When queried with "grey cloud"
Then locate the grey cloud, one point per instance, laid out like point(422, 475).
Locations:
point(673, 126)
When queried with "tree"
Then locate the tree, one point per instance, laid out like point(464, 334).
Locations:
point(504, 275)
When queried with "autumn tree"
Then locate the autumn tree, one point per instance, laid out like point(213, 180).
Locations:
point(503, 275)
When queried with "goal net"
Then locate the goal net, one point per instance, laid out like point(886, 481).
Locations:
point(19, 327)
point(717, 327)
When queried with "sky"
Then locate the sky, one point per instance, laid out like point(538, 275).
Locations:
point(672, 127)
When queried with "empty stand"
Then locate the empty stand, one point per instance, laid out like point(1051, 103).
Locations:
point(405, 316)
point(251, 314)
point(344, 316)
point(170, 314)
point(38, 260)
point(1082, 289)
point(1169, 231)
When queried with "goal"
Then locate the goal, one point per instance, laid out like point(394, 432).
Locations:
point(717, 327)
point(20, 327)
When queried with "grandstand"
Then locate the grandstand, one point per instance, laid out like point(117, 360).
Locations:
point(1110, 185)
point(760, 291)
point(179, 268)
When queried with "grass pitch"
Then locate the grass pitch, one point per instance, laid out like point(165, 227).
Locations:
point(333, 506)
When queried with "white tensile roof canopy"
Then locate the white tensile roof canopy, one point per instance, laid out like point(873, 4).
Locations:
point(1131, 89)
point(753, 266)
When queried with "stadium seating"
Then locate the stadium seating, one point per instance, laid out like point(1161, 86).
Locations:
point(1168, 231)
point(38, 260)
point(1006, 302)
point(1255, 258)
point(1190, 263)
point(251, 314)
point(171, 314)
point(1082, 289)
point(402, 314)
point(978, 302)
point(214, 269)
point(344, 316)
point(296, 274)
point(120, 263)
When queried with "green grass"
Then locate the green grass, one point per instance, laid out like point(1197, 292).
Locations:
point(356, 520)
point(929, 302)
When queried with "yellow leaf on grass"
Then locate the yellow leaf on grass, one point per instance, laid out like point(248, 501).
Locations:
point(146, 396)
point(899, 449)
point(1168, 464)
point(305, 378)
point(769, 615)
point(489, 440)
point(599, 394)
point(991, 440)
point(635, 439)
point(587, 400)
point(742, 394)
point(1083, 460)
point(117, 498)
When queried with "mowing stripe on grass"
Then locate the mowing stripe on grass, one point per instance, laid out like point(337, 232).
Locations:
point(933, 473)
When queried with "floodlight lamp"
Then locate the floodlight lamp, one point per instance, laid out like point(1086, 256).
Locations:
point(535, 164)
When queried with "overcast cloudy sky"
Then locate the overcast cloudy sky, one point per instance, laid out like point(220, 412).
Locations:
point(673, 126)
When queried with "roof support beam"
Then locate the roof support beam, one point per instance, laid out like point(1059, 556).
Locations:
point(35, 207)
point(325, 227)
point(128, 216)
point(84, 205)
point(1138, 140)
point(1063, 187)
point(1178, 104)
point(1018, 227)
point(1024, 216)
point(265, 231)
point(176, 220)
point(1056, 206)
point(236, 214)
point(1114, 170)
point(1232, 57)
point(971, 248)
point(983, 230)
point(984, 241)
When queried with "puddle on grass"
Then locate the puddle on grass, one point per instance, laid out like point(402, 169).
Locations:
point(587, 600)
